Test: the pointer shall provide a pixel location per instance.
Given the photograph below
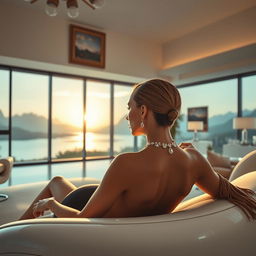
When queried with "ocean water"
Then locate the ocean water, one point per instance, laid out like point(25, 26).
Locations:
point(36, 149)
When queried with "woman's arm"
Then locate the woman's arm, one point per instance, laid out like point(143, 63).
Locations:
point(206, 178)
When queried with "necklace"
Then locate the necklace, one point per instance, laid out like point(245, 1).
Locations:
point(164, 145)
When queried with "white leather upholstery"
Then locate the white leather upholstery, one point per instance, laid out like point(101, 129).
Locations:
point(199, 226)
point(245, 165)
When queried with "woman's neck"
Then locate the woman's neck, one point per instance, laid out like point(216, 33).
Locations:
point(162, 134)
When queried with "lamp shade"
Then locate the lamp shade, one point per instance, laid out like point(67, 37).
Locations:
point(196, 125)
point(244, 123)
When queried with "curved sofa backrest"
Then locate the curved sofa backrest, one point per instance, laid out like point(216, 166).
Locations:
point(200, 224)
point(212, 227)
point(245, 165)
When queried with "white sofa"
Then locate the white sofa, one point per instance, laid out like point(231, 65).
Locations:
point(245, 165)
point(199, 226)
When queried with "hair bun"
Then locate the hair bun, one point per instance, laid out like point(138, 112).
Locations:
point(172, 114)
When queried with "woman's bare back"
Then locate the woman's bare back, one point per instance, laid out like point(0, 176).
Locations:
point(157, 182)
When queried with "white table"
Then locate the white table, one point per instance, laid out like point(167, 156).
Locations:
point(237, 150)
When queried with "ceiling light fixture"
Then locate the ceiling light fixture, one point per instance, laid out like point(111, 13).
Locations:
point(51, 7)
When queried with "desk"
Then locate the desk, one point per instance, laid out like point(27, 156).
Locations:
point(237, 150)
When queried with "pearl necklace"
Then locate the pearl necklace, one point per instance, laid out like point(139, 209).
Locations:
point(164, 145)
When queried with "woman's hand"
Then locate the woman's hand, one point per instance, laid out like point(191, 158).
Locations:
point(185, 145)
point(41, 206)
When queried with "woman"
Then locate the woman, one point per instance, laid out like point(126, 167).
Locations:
point(149, 182)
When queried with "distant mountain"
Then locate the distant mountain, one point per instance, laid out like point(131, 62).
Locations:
point(120, 128)
point(3, 120)
point(220, 119)
point(30, 126)
point(220, 129)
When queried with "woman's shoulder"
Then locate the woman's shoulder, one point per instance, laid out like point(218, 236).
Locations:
point(128, 160)
point(192, 153)
point(128, 156)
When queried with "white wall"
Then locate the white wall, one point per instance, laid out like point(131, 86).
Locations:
point(29, 38)
point(31, 35)
point(221, 49)
point(228, 34)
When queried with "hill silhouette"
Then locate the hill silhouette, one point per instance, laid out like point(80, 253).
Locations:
point(33, 126)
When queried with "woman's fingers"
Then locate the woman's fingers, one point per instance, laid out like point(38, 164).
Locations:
point(186, 145)
point(38, 208)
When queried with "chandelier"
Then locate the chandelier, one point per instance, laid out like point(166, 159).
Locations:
point(51, 7)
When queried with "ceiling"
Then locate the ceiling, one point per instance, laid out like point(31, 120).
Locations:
point(155, 20)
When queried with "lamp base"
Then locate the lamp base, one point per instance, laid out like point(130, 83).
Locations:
point(195, 137)
point(244, 140)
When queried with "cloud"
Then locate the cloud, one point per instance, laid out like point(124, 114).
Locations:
point(84, 42)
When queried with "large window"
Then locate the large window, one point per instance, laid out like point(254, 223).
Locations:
point(123, 140)
point(97, 118)
point(39, 102)
point(29, 116)
point(67, 118)
point(4, 112)
point(4, 149)
point(249, 101)
point(221, 100)
point(4, 99)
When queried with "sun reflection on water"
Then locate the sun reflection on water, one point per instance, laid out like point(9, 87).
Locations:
point(90, 141)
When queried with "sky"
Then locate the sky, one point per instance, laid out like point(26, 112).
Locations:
point(30, 94)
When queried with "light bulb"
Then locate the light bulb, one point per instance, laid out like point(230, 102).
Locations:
point(97, 3)
point(73, 12)
point(51, 7)
point(72, 7)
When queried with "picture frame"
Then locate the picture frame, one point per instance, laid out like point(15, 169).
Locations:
point(198, 114)
point(87, 47)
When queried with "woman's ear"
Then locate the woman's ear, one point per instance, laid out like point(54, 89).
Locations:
point(143, 110)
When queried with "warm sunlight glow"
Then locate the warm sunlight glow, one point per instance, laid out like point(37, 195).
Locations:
point(90, 141)
point(75, 116)
point(78, 141)
point(92, 120)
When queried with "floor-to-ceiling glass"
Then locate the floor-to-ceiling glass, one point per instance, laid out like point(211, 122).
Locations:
point(4, 111)
point(123, 140)
point(97, 118)
point(249, 103)
point(29, 116)
point(67, 117)
point(221, 100)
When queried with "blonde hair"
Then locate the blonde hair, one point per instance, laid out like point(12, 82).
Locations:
point(161, 97)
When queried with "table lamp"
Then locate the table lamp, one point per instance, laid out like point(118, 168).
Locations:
point(195, 126)
point(244, 123)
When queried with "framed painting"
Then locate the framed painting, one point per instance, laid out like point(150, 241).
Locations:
point(87, 47)
point(198, 114)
